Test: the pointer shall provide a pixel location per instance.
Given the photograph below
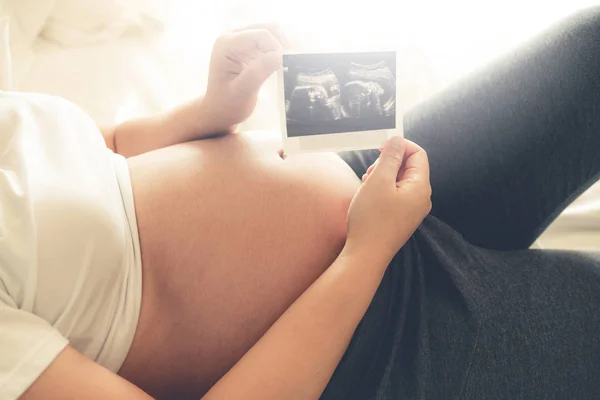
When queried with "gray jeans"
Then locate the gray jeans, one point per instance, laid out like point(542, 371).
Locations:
point(465, 311)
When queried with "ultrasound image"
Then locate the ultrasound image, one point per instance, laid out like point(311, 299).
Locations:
point(339, 92)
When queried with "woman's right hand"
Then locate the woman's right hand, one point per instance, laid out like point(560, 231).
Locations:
point(392, 202)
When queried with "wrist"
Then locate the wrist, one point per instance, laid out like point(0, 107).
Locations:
point(205, 121)
point(210, 120)
point(193, 121)
point(369, 253)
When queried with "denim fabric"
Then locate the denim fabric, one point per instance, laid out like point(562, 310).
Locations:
point(465, 311)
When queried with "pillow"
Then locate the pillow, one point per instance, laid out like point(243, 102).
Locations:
point(82, 22)
point(5, 65)
point(26, 18)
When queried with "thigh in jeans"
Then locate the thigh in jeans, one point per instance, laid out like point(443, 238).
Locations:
point(514, 143)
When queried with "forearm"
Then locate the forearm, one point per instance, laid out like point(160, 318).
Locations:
point(296, 358)
point(182, 124)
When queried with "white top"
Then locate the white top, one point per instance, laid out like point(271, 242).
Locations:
point(70, 268)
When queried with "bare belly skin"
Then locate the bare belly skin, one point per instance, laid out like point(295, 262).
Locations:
point(230, 235)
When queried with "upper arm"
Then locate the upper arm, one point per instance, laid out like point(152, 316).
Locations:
point(37, 363)
point(72, 376)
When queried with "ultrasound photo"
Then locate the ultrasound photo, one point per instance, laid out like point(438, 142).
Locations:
point(339, 92)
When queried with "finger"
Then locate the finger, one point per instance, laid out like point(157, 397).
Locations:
point(274, 29)
point(257, 71)
point(416, 164)
point(369, 170)
point(266, 37)
point(248, 42)
point(371, 167)
point(390, 160)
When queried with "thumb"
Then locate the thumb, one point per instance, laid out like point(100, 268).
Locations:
point(390, 160)
point(257, 71)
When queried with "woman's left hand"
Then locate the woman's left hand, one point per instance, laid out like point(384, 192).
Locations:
point(241, 61)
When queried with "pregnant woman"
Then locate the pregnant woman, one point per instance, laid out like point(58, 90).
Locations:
point(219, 268)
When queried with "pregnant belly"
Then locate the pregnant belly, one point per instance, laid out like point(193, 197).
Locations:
point(230, 235)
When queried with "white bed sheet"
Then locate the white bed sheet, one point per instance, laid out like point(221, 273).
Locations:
point(145, 75)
